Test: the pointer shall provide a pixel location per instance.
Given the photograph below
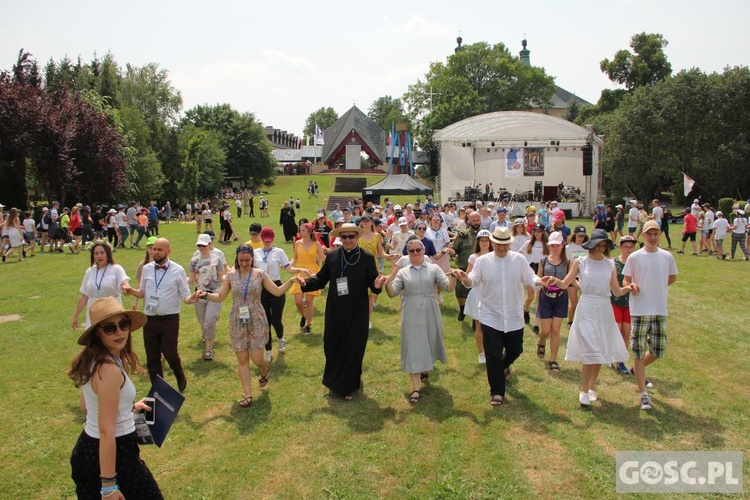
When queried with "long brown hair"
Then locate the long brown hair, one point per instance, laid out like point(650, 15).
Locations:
point(533, 239)
point(107, 250)
point(87, 362)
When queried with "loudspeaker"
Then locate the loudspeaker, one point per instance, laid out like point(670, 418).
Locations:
point(434, 162)
point(588, 160)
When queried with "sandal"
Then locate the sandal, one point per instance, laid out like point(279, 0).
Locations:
point(496, 400)
point(263, 380)
point(507, 374)
point(208, 355)
point(245, 402)
point(349, 397)
point(553, 366)
point(414, 397)
point(541, 349)
point(424, 376)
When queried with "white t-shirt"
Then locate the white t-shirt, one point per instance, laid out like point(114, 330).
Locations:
point(519, 241)
point(29, 225)
point(695, 209)
point(120, 217)
point(650, 271)
point(399, 239)
point(439, 238)
point(633, 217)
point(99, 283)
point(271, 261)
point(740, 225)
point(658, 214)
point(720, 227)
point(574, 251)
point(709, 220)
point(537, 252)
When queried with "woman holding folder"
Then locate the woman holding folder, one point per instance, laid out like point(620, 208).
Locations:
point(106, 459)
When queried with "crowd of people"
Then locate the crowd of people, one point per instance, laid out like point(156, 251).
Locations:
point(497, 267)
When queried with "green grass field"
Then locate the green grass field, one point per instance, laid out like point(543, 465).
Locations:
point(295, 441)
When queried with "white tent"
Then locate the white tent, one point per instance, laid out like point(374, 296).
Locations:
point(513, 150)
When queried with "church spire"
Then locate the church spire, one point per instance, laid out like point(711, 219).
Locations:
point(524, 54)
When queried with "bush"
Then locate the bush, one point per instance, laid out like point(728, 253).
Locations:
point(725, 205)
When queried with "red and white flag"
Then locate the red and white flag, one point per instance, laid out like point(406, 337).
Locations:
point(688, 184)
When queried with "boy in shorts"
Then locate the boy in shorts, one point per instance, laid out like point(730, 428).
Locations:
point(652, 270)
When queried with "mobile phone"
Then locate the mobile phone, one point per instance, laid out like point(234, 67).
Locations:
point(150, 414)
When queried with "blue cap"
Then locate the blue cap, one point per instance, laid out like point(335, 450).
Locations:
point(502, 210)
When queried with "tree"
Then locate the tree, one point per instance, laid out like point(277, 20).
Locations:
point(480, 78)
point(385, 111)
point(323, 118)
point(574, 109)
point(646, 65)
point(203, 166)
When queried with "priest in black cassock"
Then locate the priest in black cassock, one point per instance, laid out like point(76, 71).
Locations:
point(288, 222)
point(350, 270)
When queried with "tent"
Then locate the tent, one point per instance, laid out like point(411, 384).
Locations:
point(399, 184)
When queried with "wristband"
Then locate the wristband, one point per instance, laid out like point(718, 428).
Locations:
point(108, 490)
point(108, 479)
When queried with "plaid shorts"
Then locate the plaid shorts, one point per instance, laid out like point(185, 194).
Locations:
point(649, 333)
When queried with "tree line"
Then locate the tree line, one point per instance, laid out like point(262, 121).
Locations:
point(97, 132)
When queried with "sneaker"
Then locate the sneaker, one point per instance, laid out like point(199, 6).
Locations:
point(282, 345)
point(369, 325)
point(375, 303)
point(583, 398)
point(302, 322)
point(536, 330)
point(623, 369)
point(269, 356)
point(460, 316)
point(680, 251)
point(593, 396)
point(308, 330)
point(526, 317)
point(645, 402)
point(482, 359)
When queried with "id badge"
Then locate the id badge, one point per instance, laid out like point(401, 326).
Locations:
point(262, 265)
point(152, 305)
point(342, 286)
point(244, 315)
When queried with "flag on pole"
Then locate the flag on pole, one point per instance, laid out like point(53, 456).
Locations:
point(688, 184)
point(319, 136)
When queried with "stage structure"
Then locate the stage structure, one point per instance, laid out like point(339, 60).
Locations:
point(351, 134)
point(400, 142)
point(529, 155)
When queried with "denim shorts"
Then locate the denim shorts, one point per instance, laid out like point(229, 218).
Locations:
point(549, 308)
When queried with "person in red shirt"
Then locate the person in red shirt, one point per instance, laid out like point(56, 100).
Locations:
point(689, 228)
point(76, 229)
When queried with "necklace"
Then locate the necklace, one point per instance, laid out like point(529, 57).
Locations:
point(346, 260)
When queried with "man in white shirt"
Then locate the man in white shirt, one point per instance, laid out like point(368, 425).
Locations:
point(501, 276)
point(695, 208)
point(720, 228)
point(238, 204)
point(633, 217)
point(652, 270)
point(707, 242)
point(657, 213)
point(163, 287)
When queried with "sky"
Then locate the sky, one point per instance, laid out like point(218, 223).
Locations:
point(283, 60)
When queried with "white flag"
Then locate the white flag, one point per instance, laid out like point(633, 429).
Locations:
point(319, 138)
point(689, 183)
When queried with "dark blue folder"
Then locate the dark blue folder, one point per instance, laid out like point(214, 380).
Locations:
point(167, 404)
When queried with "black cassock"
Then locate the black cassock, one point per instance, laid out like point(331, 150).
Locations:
point(347, 316)
point(287, 221)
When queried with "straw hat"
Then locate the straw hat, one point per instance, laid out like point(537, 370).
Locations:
point(103, 309)
point(347, 227)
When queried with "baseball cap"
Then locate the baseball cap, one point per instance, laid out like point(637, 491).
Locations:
point(267, 234)
point(627, 239)
point(555, 238)
point(619, 206)
point(255, 228)
point(651, 224)
point(397, 207)
point(151, 240)
point(483, 233)
point(531, 208)
point(502, 210)
point(402, 221)
point(319, 216)
point(203, 240)
point(580, 230)
point(519, 222)
point(696, 200)
point(719, 212)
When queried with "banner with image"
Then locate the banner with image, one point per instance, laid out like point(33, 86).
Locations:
point(533, 164)
point(513, 163)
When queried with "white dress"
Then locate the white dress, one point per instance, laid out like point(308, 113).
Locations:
point(594, 337)
point(471, 307)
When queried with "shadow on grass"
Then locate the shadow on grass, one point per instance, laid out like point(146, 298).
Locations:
point(362, 414)
point(436, 404)
point(527, 412)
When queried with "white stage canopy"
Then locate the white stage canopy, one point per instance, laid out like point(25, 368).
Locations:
point(513, 150)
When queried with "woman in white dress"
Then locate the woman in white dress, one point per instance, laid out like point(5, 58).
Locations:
point(103, 279)
point(421, 322)
point(471, 308)
point(594, 338)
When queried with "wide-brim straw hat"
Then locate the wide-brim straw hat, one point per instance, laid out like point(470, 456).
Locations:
point(105, 308)
point(597, 236)
point(347, 227)
point(501, 235)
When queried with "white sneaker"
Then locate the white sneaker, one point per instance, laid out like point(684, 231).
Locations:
point(282, 345)
point(269, 356)
point(645, 401)
point(593, 396)
point(369, 325)
point(482, 359)
point(583, 398)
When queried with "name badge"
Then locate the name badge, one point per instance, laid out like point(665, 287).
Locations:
point(244, 315)
point(342, 286)
point(152, 305)
point(262, 265)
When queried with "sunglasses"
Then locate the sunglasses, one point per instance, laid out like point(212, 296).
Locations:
point(421, 228)
point(415, 250)
point(111, 328)
point(348, 236)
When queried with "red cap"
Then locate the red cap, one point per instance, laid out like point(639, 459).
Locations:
point(267, 234)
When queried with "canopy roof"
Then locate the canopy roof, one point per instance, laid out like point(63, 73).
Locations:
point(354, 127)
point(396, 184)
point(513, 126)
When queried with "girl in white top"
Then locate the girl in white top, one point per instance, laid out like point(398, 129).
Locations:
point(29, 228)
point(106, 461)
point(720, 227)
point(739, 227)
point(520, 236)
point(573, 250)
point(103, 279)
point(13, 235)
point(534, 251)
point(472, 306)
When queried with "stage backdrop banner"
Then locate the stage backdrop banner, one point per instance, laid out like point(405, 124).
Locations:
point(533, 162)
point(513, 163)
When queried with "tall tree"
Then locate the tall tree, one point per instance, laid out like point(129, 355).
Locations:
point(323, 118)
point(646, 65)
point(203, 165)
point(480, 78)
point(386, 110)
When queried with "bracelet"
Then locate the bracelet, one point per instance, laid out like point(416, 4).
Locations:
point(108, 479)
point(108, 490)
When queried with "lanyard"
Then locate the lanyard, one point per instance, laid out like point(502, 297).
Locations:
point(98, 282)
point(245, 288)
point(265, 254)
point(158, 282)
point(345, 263)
